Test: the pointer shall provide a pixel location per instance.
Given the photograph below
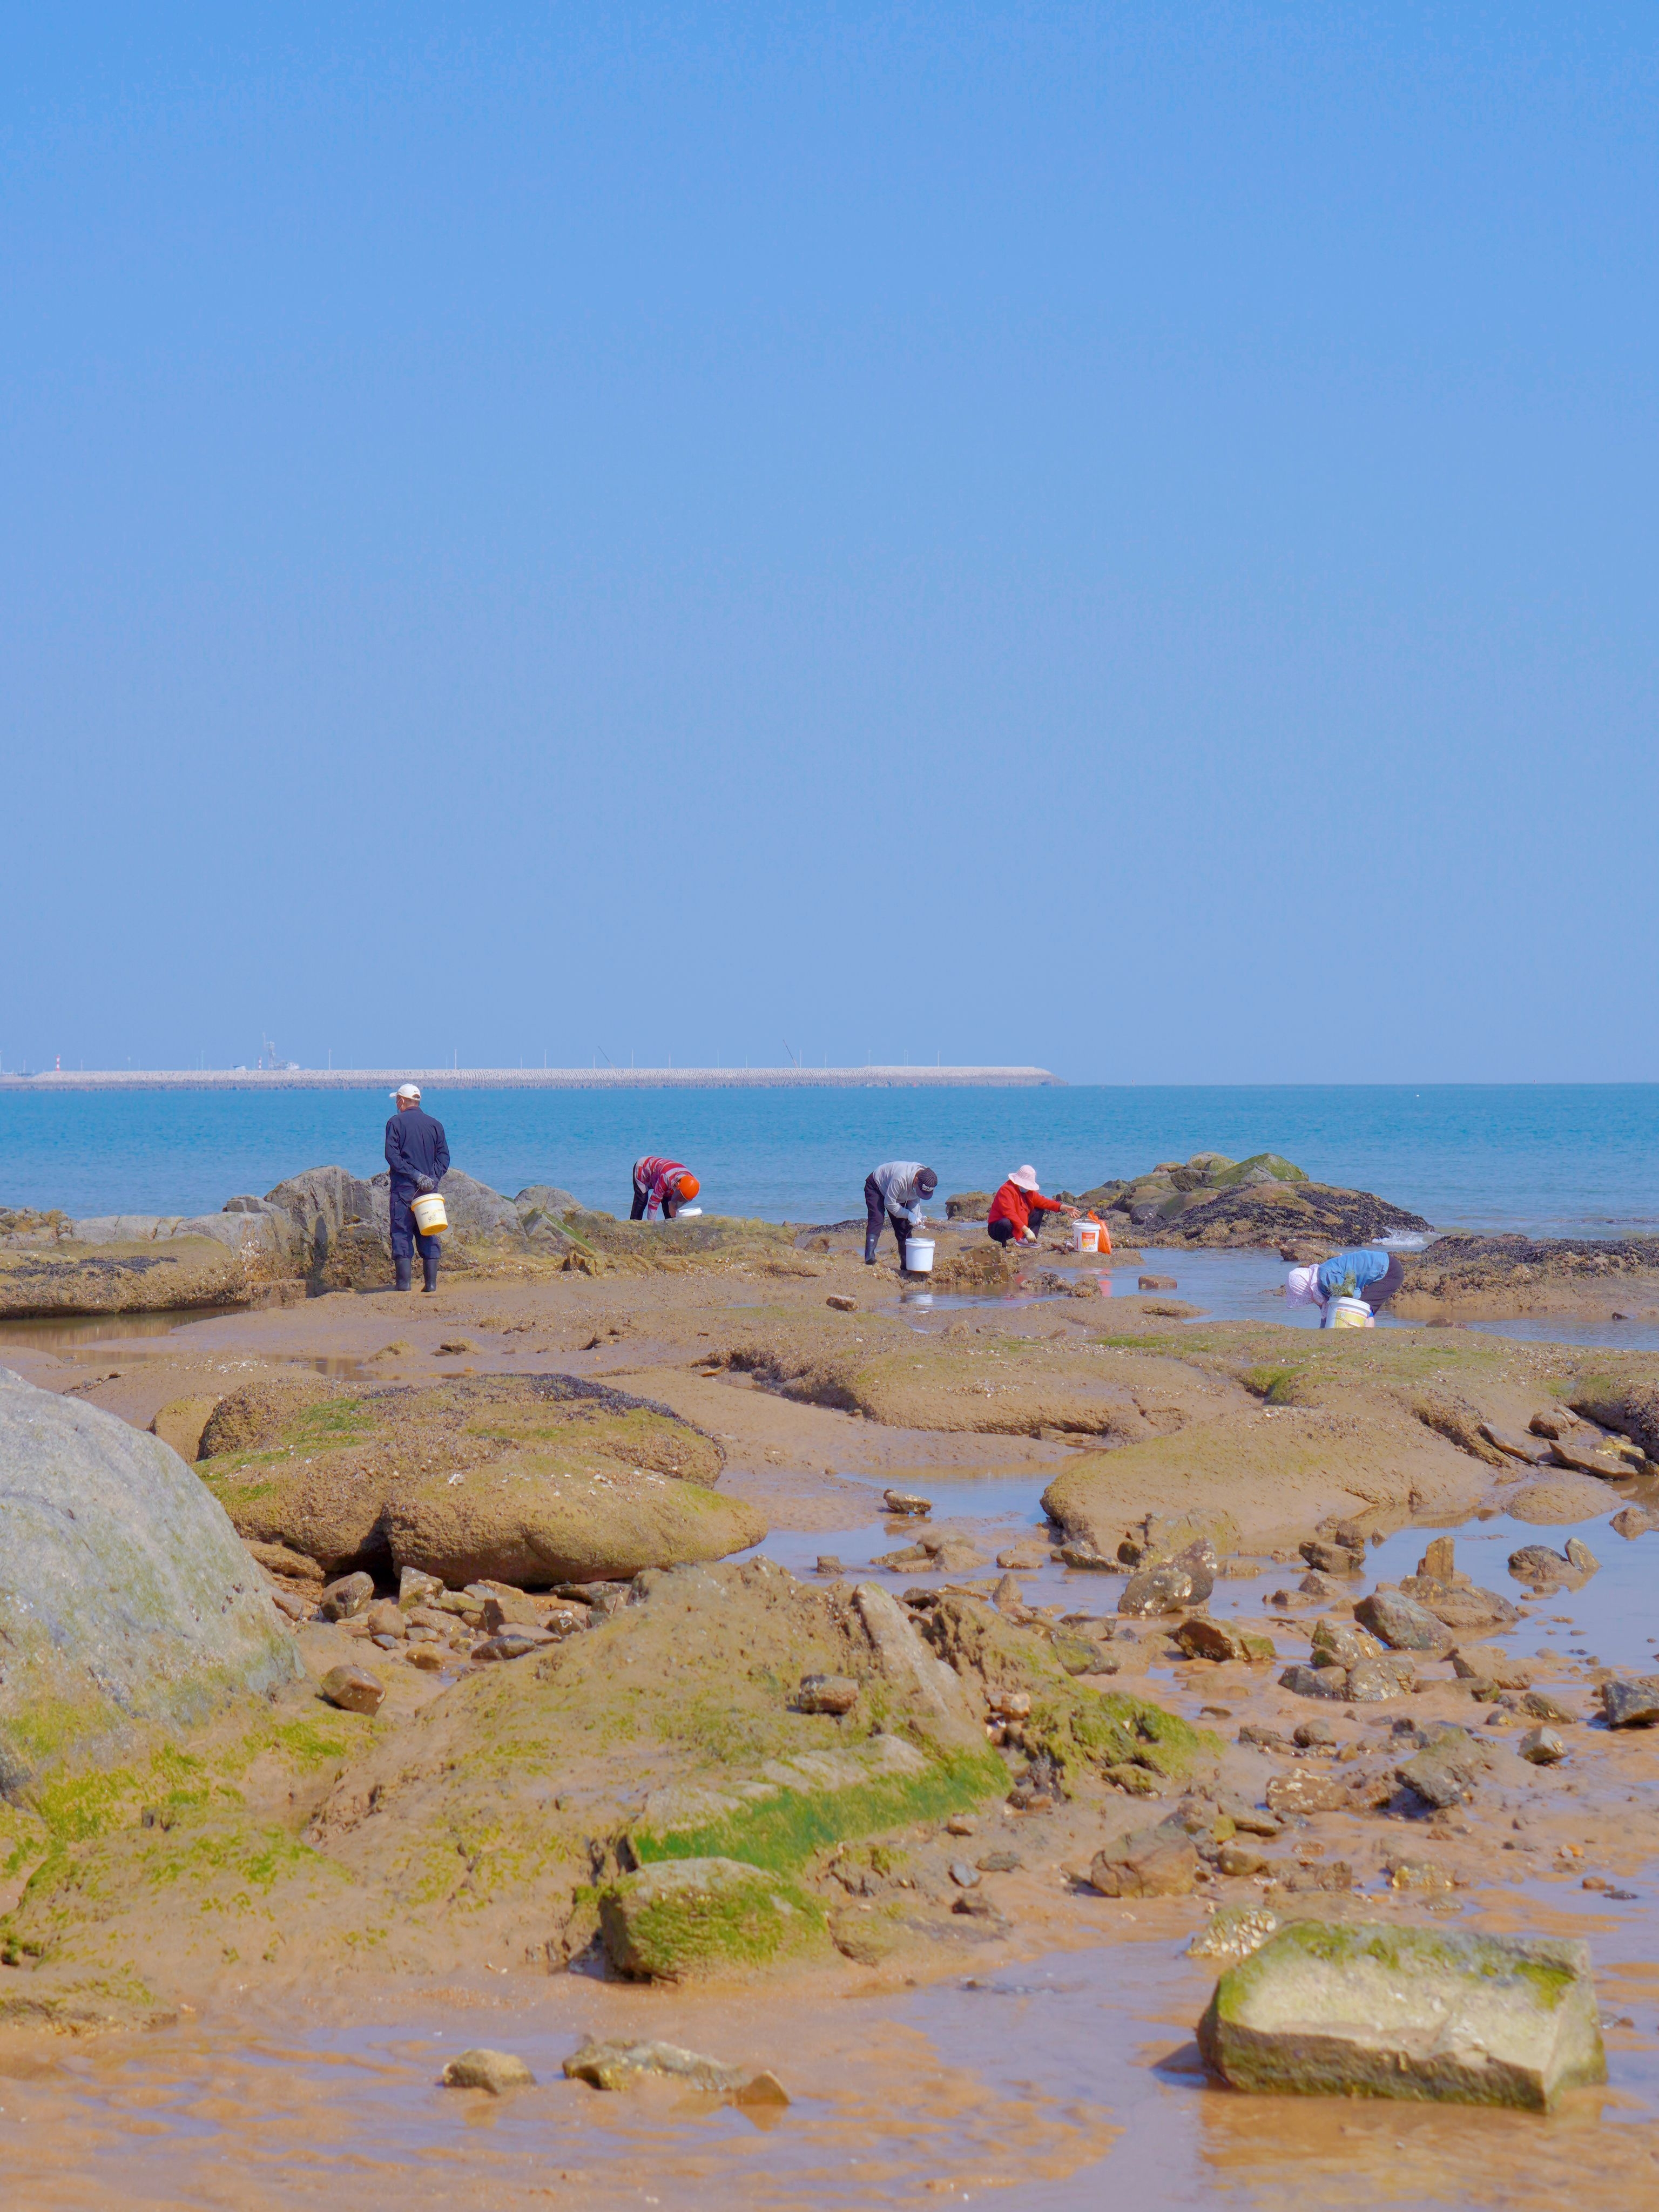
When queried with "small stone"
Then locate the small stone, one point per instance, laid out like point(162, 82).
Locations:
point(427, 1657)
point(1303, 1791)
point(1157, 1283)
point(1444, 1773)
point(353, 1689)
point(1134, 1781)
point(1373, 1682)
point(1417, 1874)
point(827, 1563)
point(1200, 1638)
point(416, 1587)
point(1532, 1451)
point(1437, 1560)
point(1340, 1644)
point(345, 1599)
point(385, 1618)
point(1543, 1707)
point(1012, 1705)
point(495, 2070)
point(1236, 1858)
point(1167, 1588)
point(827, 1693)
point(1262, 1736)
point(1402, 1623)
point(293, 1607)
point(1631, 1704)
point(961, 1823)
point(614, 2065)
point(1634, 1520)
point(1312, 1733)
point(975, 1906)
point(514, 1645)
point(1330, 1682)
point(1328, 1558)
point(1008, 1593)
point(1537, 1563)
point(842, 1302)
point(964, 1875)
point(1024, 1559)
point(906, 1502)
point(1485, 1662)
point(1329, 1874)
point(1159, 1862)
point(1086, 1557)
point(1541, 1747)
point(998, 1863)
point(1580, 1556)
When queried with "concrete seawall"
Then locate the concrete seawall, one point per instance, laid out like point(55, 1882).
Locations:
point(533, 1078)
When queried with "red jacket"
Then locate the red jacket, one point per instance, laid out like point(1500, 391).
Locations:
point(1018, 1205)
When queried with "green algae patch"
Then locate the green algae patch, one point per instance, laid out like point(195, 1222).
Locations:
point(691, 1917)
point(784, 1828)
point(1075, 1728)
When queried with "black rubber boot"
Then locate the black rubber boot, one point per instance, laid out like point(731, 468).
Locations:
point(405, 1269)
point(430, 1267)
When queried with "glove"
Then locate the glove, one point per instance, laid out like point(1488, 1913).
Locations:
point(425, 1186)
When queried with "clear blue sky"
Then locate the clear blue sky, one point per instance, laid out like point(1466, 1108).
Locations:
point(1122, 536)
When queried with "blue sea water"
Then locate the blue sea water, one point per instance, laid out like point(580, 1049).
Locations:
point(1556, 1160)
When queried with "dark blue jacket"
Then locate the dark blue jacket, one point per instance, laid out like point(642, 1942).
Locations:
point(417, 1151)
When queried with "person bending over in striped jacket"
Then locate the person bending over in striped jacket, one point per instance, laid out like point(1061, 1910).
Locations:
point(659, 1183)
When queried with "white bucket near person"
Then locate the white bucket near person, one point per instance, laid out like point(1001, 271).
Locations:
point(1085, 1236)
point(1349, 1313)
point(919, 1254)
point(690, 1213)
point(429, 1215)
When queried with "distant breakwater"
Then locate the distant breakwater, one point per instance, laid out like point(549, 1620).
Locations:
point(536, 1078)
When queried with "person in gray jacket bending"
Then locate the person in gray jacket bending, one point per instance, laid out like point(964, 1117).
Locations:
point(898, 1191)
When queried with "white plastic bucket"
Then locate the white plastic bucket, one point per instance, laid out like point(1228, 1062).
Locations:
point(919, 1254)
point(429, 1215)
point(1085, 1236)
point(690, 1213)
point(1350, 1313)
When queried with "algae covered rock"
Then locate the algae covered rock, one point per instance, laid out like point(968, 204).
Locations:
point(694, 1917)
point(1377, 2011)
point(147, 1276)
point(125, 1597)
point(531, 1479)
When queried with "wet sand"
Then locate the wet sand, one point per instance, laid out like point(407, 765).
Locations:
point(1054, 2066)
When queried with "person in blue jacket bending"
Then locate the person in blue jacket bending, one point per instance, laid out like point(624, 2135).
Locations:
point(1373, 1276)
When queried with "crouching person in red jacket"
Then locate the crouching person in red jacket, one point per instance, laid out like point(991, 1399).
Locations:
point(1014, 1204)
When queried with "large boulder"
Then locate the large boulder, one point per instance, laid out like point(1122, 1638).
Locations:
point(125, 1598)
point(1265, 1200)
point(1382, 2011)
point(533, 1480)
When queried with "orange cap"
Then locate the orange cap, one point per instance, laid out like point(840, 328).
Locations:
point(689, 1186)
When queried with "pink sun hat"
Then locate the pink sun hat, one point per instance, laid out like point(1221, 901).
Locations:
point(1023, 1178)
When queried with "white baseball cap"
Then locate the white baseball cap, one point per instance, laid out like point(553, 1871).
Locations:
point(407, 1091)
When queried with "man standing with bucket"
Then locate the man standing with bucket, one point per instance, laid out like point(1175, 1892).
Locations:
point(898, 1190)
point(417, 1153)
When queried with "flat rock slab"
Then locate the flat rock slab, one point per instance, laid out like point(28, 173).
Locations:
point(617, 2065)
point(1381, 2011)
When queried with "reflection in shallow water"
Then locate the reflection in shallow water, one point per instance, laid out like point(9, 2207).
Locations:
point(62, 1332)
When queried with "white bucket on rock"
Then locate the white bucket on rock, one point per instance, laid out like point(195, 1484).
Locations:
point(430, 1216)
point(919, 1254)
point(1085, 1236)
